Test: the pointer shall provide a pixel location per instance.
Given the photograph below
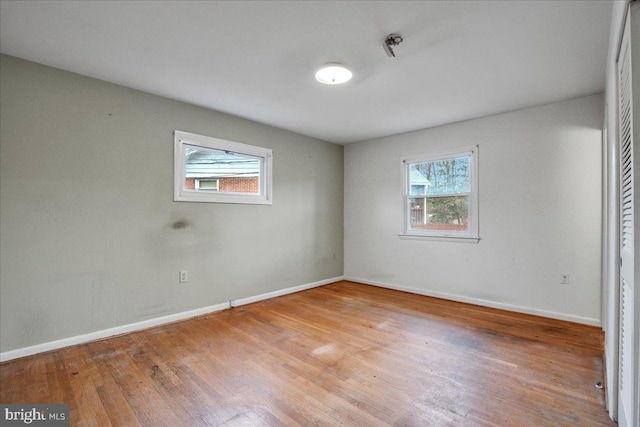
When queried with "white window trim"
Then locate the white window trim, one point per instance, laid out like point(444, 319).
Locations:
point(181, 194)
point(472, 234)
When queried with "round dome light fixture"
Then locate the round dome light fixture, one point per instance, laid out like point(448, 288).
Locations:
point(333, 74)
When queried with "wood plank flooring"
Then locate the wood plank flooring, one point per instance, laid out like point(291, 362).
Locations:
point(342, 354)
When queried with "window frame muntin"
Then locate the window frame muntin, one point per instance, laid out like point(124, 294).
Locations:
point(181, 194)
point(472, 233)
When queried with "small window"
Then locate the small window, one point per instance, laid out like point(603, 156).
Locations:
point(206, 184)
point(218, 171)
point(441, 195)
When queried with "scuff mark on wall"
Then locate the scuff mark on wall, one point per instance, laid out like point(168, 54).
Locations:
point(180, 224)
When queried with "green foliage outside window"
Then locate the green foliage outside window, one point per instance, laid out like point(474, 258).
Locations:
point(446, 185)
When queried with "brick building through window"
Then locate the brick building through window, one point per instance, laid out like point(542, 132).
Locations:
point(225, 185)
point(220, 171)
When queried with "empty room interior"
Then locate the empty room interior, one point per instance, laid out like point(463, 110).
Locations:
point(358, 213)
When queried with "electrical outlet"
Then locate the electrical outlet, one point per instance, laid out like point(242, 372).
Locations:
point(184, 276)
point(564, 278)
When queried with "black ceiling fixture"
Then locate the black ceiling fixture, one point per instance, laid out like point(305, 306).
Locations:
point(393, 39)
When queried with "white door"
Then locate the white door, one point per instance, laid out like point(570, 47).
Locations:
point(627, 354)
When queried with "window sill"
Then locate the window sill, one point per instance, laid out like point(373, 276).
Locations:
point(439, 238)
point(222, 198)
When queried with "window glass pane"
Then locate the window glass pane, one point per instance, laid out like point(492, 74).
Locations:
point(448, 176)
point(417, 179)
point(440, 213)
point(221, 171)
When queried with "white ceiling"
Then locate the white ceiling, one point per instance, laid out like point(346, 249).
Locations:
point(459, 59)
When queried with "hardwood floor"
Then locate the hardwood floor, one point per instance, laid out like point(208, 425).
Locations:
point(342, 354)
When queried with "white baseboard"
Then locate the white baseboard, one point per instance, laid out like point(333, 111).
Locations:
point(106, 333)
point(483, 302)
point(256, 298)
point(145, 324)
point(132, 327)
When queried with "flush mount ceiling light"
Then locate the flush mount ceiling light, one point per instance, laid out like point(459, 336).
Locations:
point(333, 74)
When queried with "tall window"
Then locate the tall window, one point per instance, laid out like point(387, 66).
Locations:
point(219, 171)
point(441, 194)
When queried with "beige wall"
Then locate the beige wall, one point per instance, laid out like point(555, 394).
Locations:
point(87, 209)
